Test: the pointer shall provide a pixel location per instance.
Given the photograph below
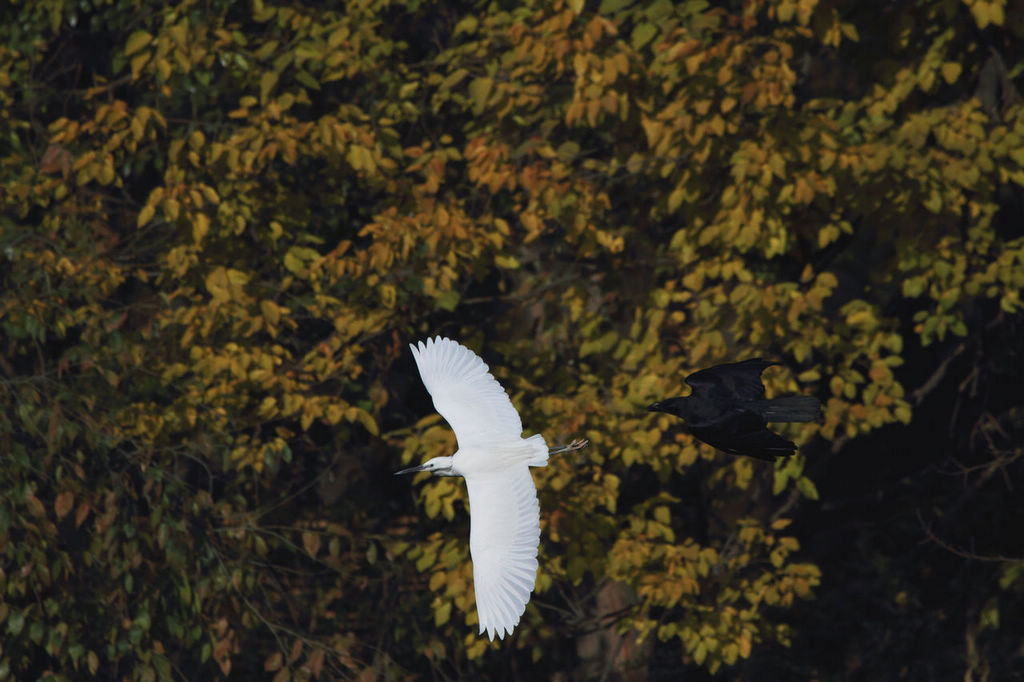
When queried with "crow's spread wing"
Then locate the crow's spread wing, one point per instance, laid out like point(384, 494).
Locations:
point(741, 380)
point(744, 433)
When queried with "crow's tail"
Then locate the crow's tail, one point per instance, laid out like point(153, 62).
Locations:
point(790, 408)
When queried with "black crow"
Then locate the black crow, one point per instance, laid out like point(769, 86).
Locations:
point(727, 409)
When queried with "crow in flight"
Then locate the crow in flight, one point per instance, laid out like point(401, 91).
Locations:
point(727, 409)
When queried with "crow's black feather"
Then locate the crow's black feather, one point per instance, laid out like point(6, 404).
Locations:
point(727, 409)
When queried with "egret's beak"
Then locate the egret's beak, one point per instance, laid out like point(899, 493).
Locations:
point(654, 407)
point(411, 470)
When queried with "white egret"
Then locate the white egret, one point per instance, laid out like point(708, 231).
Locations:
point(494, 459)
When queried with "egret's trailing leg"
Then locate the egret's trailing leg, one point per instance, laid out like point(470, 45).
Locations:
point(577, 444)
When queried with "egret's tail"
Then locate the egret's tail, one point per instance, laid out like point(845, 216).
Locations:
point(537, 448)
point(790, 408)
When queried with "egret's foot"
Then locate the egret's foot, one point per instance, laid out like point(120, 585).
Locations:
point(577, 444)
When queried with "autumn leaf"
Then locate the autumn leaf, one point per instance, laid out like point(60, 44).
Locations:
point(63, 503)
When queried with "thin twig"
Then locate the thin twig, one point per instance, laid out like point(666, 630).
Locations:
point(998, 558)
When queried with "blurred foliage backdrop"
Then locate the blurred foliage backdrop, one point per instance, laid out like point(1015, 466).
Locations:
point(223, 222)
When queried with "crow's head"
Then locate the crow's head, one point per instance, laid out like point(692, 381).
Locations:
point(676, 406)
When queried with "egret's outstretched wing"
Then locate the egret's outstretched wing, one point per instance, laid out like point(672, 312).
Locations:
point(471, 400)
point(504, 533)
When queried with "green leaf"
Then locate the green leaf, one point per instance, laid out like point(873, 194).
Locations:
point(307, 79)
point(453, 79)
point(613, 6)
point(934, 202)
point(267, 82)
point(642, 34)
point(16, 622)
point(467, 24)
point(448, 300)
point(479, 89)
point(807, 488)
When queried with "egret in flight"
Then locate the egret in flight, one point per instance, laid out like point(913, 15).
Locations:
point(727, 409)
point(495, 460)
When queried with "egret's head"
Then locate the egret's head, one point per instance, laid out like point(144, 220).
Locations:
point(439, 466)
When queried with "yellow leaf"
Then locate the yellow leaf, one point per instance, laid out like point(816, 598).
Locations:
point(136, 41)
point(951, 71)
point(803, 193)
point(217, 284)
point(368, 422)
point(355, 157)
point(334, 413)
point(675, 199)
point(237, 278)
point(139, 61)
point(145, 215)
point(693, 62)
point(744, 645)
point(442, 613)
point(172, 208)
point(298, 258)
point(163, 69)
point(388, 295)
point(986, 13)
point(271, 312)
point(210, 194)
point(105, 175)
point(200, 227)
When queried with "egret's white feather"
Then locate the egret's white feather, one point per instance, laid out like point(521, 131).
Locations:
point(494, 458)
point(503, 538)
point(471, 400)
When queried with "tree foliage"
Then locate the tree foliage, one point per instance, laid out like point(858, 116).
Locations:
point(223, 223)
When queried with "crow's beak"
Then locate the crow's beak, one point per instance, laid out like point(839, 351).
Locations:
point(410, 470)
point(654, 407)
